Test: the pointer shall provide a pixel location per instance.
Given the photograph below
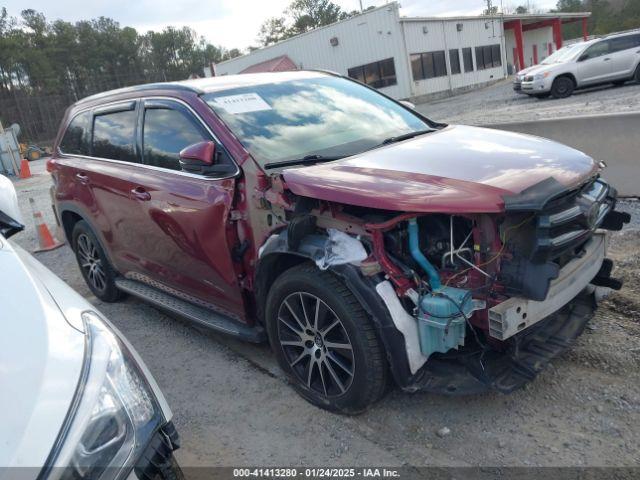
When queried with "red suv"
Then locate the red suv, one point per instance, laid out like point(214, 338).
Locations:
point(361, 239)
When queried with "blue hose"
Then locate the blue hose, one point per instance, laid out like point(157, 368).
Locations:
point(418, 256)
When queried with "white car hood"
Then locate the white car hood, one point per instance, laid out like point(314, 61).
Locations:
point(41, 357)
point(537, 69)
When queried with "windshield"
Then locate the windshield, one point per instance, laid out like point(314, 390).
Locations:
point(563, 55)
point(326, 116)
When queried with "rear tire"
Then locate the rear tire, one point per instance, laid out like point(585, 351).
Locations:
point(96, 270)
point(324, 341)
point(562, 87)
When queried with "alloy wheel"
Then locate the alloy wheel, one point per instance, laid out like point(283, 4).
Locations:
point(90, 262)
point(315, 344)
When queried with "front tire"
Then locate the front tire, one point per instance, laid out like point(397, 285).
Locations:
point(324, 341)
point(96, 270)
point(562, 87)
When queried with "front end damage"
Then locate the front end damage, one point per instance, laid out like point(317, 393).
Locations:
point(463, 302)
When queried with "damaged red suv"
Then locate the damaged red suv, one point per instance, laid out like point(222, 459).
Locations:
point(361, 239)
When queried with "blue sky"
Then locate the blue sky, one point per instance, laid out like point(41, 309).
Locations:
point(231, 23)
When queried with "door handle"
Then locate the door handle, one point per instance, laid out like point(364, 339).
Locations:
point(82, 178)
point(607, 59)
point(141, 194)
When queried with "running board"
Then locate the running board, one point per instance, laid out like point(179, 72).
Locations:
point(200, 315)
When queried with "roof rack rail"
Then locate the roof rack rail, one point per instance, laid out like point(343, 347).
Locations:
point(141, 88)
point(623, 32)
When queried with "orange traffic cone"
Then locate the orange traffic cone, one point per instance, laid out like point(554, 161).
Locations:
point(25, 171)
point(46, 240)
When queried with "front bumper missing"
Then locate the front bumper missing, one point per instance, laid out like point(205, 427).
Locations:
point(477, 370)
point(516, 314)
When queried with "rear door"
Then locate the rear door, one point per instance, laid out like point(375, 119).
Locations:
point(595, 65)
point(97, 154)
point(625, 54)
point(181, 218)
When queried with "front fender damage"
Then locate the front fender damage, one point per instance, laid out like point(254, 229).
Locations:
point(430, 281)
point(436, 376)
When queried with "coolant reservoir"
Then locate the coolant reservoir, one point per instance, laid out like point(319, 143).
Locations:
point(441, 324)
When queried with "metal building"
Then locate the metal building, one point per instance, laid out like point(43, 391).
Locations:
point(414, 57)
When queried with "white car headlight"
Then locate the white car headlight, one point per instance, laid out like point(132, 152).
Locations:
point(114, 413)
point(541, 76)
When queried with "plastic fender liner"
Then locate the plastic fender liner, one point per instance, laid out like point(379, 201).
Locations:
point(445, 376)
point(363, 288)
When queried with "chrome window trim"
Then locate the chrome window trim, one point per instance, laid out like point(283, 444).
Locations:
point(152, 167)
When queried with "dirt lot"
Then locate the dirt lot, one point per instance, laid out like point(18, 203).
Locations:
point(232, 406)
point(498, 103)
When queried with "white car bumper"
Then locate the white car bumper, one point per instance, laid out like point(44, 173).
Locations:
point(534, 87)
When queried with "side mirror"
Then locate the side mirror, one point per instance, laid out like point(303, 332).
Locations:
point(407, 103)
point(11, 221)
point(198, 158)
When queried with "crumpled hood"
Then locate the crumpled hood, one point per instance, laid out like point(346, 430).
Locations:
point(41, 357)
point(457, 169)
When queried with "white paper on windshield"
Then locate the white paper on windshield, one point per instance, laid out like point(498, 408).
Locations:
point(243, 103)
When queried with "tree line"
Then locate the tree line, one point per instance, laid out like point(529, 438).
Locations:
point(42, 57)
point(607, 16)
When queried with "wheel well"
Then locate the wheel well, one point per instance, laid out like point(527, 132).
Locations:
point(69, 220)
point(269, 269)
point(570, 77)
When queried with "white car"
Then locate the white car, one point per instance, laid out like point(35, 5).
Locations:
point(613, 59)
point(76, 400)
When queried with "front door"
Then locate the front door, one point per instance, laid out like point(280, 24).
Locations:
point(595, 64)
point(181, 218)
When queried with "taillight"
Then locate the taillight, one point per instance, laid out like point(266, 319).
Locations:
point(51, 164)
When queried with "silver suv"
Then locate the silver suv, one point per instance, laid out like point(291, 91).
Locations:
point(613, 59)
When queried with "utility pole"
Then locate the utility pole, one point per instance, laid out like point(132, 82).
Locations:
point(361, 6)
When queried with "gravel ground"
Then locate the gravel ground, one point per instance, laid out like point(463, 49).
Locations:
point(232, 406)
point(498, 103)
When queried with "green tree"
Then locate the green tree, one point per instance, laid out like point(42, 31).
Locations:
point(272, 31)
point(300, 16)
point(309, 14)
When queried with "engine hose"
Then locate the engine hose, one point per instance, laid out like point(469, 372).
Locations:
point(418, 256)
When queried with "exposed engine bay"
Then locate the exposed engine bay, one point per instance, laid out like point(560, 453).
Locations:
point(476, 300)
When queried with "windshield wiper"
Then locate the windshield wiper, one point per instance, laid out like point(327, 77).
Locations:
point(405, 136)
point(314, 158)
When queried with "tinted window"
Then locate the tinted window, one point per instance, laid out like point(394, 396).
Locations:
point(467, 58)
point(597, 50)
point(376, 74)
point(416, 66)
point(165, 133)
point(113, 136)
point(488, 56)
point(496, 55)
point(624, 43)
point(454, 61)
point(428, 65)
point(76, 139)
